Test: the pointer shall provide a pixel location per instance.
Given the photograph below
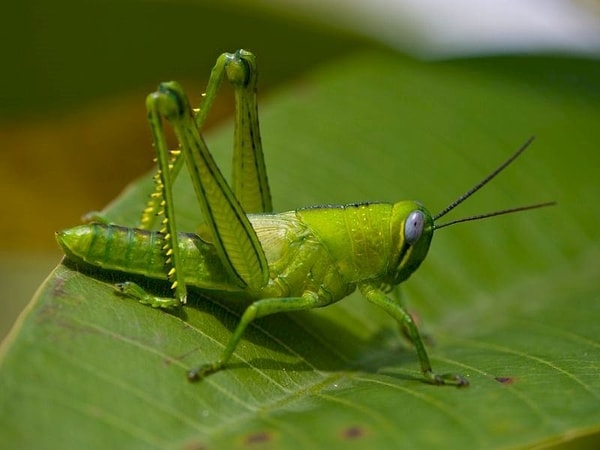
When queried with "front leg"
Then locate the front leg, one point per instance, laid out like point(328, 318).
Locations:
point(395, 309)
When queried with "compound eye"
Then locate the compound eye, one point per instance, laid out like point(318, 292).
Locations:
point(413, 227)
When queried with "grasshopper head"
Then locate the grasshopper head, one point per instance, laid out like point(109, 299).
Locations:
point(412, 229)
point(412, 225)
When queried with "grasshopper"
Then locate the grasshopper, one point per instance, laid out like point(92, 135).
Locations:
point(276, 262)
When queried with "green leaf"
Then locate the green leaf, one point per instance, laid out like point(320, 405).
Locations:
point(512, 302)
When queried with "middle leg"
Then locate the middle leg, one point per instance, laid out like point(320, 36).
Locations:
point(259, 308)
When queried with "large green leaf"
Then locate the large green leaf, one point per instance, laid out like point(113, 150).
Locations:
point(512, 302)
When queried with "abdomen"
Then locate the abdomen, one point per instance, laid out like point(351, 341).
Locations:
point(139, 252)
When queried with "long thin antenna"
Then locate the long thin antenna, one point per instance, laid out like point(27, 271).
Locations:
point(495, 213)
point(482, 183)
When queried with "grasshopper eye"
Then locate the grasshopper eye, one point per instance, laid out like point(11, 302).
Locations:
point(413, 227)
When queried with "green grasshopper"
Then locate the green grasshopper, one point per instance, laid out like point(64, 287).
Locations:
point(277, 262)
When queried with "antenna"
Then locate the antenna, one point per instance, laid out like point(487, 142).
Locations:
point(495, 213)
point(481, 184)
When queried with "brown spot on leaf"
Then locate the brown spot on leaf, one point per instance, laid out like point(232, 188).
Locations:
point(353, 432)
point(258, 438)
point(505, 380)
point(58, 286)
point(194, 445)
